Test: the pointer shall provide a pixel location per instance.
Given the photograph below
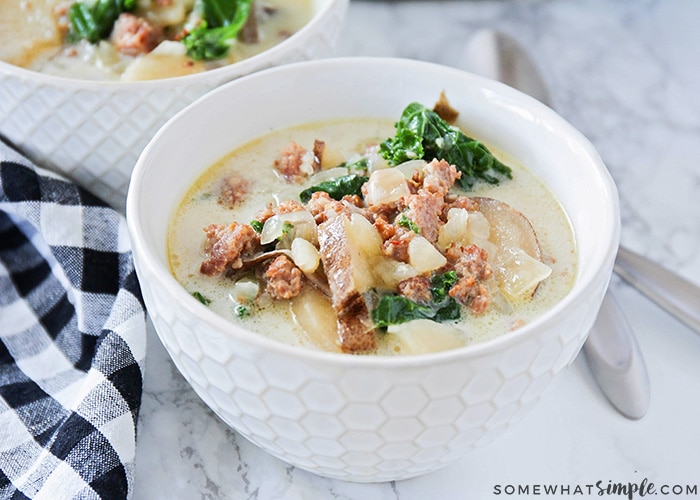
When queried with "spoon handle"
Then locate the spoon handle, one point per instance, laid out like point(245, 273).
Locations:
point(616, 360)
point(676, 295)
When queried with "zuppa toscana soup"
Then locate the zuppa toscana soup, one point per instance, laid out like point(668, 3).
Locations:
point(360, 236)
point(142, 39)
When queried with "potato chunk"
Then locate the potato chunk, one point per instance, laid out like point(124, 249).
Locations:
point(422, 336)
point(517, 261)
point(37, 23)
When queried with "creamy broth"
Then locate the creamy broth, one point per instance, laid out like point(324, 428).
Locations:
point(33, 35)
point(200, 207)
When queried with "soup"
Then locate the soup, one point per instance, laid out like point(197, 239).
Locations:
point(132, 40)
point(334, 236)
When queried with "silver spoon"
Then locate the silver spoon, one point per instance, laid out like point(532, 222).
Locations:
point(611, 349)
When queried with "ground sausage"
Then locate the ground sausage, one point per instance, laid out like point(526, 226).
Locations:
point(439, 176)
point(425, 209)
point(473, 270)
point(234, 188)
point(290, 162)
point(225, 246)
point(284, 280)
point(416, 289)
point(134, 35)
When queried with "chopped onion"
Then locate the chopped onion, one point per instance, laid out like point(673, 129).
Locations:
point(423, 256)
point(305, 255)
point(385, 186)
point(303, 222)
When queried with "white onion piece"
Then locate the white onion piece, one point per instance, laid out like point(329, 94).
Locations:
point(326, 175)
point(408, 168)
point(305, 255)
point(385, 186)
point(423, 256)
point(303, 222)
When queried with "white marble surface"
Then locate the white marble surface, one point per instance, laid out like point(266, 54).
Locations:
point(627, 75)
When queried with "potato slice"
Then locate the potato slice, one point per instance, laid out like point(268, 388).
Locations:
point(36, 23)
point(313, 313)
point(421, 336)
point(165, 61)
point(518, 262)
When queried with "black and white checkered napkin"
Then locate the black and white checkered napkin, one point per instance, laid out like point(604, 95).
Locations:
point(72, 340)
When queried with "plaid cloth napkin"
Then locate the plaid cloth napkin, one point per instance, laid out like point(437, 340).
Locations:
point(72, 340)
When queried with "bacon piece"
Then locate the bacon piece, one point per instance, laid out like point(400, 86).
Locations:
point(226, 245)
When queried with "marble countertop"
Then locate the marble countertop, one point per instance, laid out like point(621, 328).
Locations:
point(627, 75)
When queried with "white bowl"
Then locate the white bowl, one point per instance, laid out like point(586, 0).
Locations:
point(94, 131)
point(363, 418)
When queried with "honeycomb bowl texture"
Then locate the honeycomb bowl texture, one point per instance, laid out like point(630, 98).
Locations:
point(364, 418)
point(93, 132)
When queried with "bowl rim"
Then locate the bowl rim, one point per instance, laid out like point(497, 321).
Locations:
point(145, 256)
point(243, 67)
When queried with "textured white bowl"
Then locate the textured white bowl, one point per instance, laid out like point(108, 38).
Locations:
point(353, 417)
point(94, 131)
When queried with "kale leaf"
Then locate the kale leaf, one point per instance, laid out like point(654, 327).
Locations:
point(222, 20)
point(394, 309)
point(336, 188)
point(94, 21)
point(421, 133)
point(200, 297)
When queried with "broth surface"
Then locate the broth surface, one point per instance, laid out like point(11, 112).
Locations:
point(253, 161)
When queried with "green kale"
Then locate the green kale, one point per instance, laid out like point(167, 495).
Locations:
point(257, 226)
point(422, 134)
point(222, 20)
point(204, 300)
point(358, 165)
point(287, 228)
point(336, 188)
point(94, 21)
point(394, 309)
point(403, 221)
point(241, 311)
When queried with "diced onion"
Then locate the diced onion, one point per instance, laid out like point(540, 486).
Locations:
point(305, 255)
point(365, 235)
point(478, 227)
point(325, 175)
point(389, 272)
point(385, 186)
point(455, 229)
point(423, 256)
point(303, 222)
point(408, 168)
point(244, 291)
